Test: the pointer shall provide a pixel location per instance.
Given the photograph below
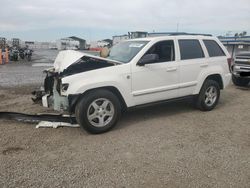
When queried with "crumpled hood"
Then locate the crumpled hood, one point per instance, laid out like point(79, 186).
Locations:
point(67, 57)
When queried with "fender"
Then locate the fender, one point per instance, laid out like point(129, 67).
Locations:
point(126, 95)
point(80, 83)
point(206, 73)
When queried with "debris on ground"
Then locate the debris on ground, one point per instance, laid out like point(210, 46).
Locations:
point(47, 124)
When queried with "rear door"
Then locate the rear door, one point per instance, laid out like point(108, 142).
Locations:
point(192, 61)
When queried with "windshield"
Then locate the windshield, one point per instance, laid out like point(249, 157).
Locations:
point(126, 51)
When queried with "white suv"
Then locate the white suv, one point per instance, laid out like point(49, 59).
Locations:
point(137, 72)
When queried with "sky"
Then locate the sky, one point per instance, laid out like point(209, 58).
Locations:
point(49, 20)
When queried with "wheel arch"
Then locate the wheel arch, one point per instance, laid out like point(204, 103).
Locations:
point(216, 77)
point(74, 99)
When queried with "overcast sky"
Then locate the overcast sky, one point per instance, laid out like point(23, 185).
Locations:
point(48, 20)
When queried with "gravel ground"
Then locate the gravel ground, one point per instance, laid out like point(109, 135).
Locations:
point(17, 74)
point(171, 145)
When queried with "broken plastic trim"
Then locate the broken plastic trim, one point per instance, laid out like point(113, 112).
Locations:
point(35, 118)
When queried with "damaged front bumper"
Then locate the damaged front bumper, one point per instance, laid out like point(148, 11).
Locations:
point(54, 94)
point(50, 93)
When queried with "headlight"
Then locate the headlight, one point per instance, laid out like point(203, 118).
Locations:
point(64, 87)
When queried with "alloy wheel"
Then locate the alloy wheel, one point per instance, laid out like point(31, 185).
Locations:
point(100, 112)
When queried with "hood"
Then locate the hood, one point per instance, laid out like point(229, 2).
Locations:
point(67, 58)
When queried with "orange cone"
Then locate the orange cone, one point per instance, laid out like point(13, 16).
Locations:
point(6, 55)
point(1, 59)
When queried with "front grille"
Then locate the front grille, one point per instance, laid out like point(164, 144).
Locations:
point(245, 74)
point(243, 57)
point(243, 62)
point(245, 68)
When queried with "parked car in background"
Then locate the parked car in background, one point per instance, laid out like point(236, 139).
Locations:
point(241, 69)
point(137, 72)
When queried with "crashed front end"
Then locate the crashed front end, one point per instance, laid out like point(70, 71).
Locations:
point(52, 91)
point(67, 63)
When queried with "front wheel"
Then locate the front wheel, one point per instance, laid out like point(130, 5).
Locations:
point(98, 111)
point(209, 95)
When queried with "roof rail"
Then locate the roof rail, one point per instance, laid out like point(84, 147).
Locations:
point(184, 33)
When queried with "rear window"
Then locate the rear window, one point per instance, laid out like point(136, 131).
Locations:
point(190, 49)
point(213, 48)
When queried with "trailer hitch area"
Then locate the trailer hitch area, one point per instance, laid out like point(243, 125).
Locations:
point(43, 120)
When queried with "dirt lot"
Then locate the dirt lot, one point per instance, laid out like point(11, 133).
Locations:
point(170, 145)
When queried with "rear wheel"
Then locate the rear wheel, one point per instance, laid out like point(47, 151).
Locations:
point(209, 96)
point(98, 111)
point(238, 81)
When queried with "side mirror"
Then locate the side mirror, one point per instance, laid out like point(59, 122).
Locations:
point(148, 58)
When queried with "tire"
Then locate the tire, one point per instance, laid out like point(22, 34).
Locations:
point(209, 96)
point(29, 58)
point(98, 111)
point(238, 81)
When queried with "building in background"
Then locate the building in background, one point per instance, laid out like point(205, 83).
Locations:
point(67, 44)
point(71, 43)
point(74, 43)
point(236, 44)
point(36, 45)
point(119, 38)
point(104, 42)
point(82, 42)
point(137, 34)
point(16, 42)
point(30, 44)
point(130, 35)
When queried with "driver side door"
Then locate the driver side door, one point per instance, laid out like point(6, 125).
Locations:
point(159, 80)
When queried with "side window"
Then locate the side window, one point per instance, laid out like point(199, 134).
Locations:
point(213, 48)
point(164, 49)
point(190, 49)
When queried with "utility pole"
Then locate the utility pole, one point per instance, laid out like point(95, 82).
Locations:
point(177, 27)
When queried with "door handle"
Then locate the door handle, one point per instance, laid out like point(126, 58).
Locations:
point(204, 65)
point(171, 69)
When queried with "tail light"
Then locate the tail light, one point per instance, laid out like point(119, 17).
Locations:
point(230, 63)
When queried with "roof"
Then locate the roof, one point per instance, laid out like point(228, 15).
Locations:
point(77, 38)
point(121, 35)
point(107, 40)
